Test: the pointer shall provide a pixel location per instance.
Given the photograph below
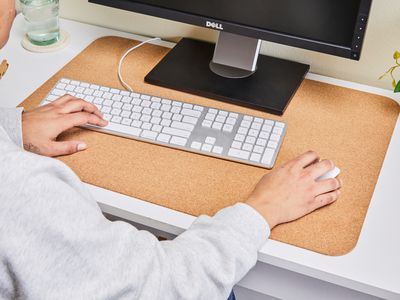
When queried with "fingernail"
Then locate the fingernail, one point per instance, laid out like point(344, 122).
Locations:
point(81, 147)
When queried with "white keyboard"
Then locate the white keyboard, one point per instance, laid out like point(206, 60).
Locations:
point(203, 130)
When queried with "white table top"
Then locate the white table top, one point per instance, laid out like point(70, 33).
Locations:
point(373, 267)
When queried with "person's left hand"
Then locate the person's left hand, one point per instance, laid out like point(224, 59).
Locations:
point(41, 126)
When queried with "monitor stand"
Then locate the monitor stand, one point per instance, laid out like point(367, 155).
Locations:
point(193, 66)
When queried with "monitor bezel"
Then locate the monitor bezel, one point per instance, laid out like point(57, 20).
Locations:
point(259, 33)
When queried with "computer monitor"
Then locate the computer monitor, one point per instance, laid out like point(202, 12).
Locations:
point(233, 70)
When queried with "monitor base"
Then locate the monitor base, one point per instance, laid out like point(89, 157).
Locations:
point(270, 88)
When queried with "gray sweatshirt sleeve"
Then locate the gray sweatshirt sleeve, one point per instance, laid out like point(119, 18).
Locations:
point(10, 120)
point(56, 244)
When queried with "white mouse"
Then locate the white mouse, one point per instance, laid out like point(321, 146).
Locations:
point(331, 174)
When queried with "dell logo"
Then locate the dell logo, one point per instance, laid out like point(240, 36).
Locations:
point(214, 25)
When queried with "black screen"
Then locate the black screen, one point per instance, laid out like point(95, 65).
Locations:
point(329, 21)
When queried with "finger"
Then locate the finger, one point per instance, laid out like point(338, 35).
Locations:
point(306, 159)
point(78, 105)
point(326, 186)
point(65, 148)
point(320, 168)
point(325, 199)
point(82, 118)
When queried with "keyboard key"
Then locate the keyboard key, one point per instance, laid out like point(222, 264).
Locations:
point(248, 118)
point(155, 120)
point(206, 148)
point(137, 123)
point(117, 98)
point(217, 126)
point(146, 126)
point(199, 108)
point(166, 101)
point(145, 103)
point(190, 113)
point(261, 142)
point(213, 111)
point(183, 126)
point(206, 123)
point(124, 129)
point(117, 104)
point(245, 124)
point(238, 153)
point(165, 122)
point(272, 145)
point(253, 132)
point(258, 149)
point(268, 156)
point(247, 147)
point(162, 137)
point(125, 114)
point(267, 128)
point(178, 141)
point(223, 113)
point(211, 140)
point(220, 119)
point(256, 126)
point(240, 137)
point(147, 134)
point(275, 137)
point(177, 117)
point(269, 122)
point(280, 124)
point(116, 112)
point(157, 128)
point(196, 145)
point(126, 121)
point(231, 121)
point(255, 157)
point(125, 93)
point(217, 150)
point(157, 113)
point(264, 135)
point(210, 117)
point(278, 130)
point(145, 118)
point(242, 130)
point(234, 115)
point(251, 140)
point(145, 97)
point(187, 105)
point(165, 107)
point(228, 128)
point(177, 132)
point(175, 109)
point(237, 145)
point(190, 120)
point(116, 119)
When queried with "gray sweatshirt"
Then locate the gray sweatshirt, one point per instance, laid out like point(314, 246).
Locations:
point(56, 244)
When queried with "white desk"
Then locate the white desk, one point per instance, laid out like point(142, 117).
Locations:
point(283, 271)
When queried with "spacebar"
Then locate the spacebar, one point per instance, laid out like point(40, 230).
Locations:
point(118, 128)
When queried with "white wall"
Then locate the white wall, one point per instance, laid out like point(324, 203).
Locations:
point(382, 39)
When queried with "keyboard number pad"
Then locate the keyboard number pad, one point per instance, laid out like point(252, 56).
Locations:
point(257, 140)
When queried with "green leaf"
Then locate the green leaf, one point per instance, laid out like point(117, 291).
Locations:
point(396, 55)
point(397, 89)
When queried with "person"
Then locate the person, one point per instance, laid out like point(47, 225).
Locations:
point(55, 242)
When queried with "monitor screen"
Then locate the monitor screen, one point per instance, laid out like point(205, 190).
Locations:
point(328, 21)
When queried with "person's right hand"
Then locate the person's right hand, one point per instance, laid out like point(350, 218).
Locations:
point(291, 191)
point(42, 125)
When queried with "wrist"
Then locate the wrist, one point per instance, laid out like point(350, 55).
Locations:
point(267, 211)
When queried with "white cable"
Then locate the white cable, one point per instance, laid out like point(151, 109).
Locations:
point(127, 86)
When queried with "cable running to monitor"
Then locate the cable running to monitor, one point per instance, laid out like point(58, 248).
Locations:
point(120, 77)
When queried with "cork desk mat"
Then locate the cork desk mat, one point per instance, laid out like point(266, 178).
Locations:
point(350, 127)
